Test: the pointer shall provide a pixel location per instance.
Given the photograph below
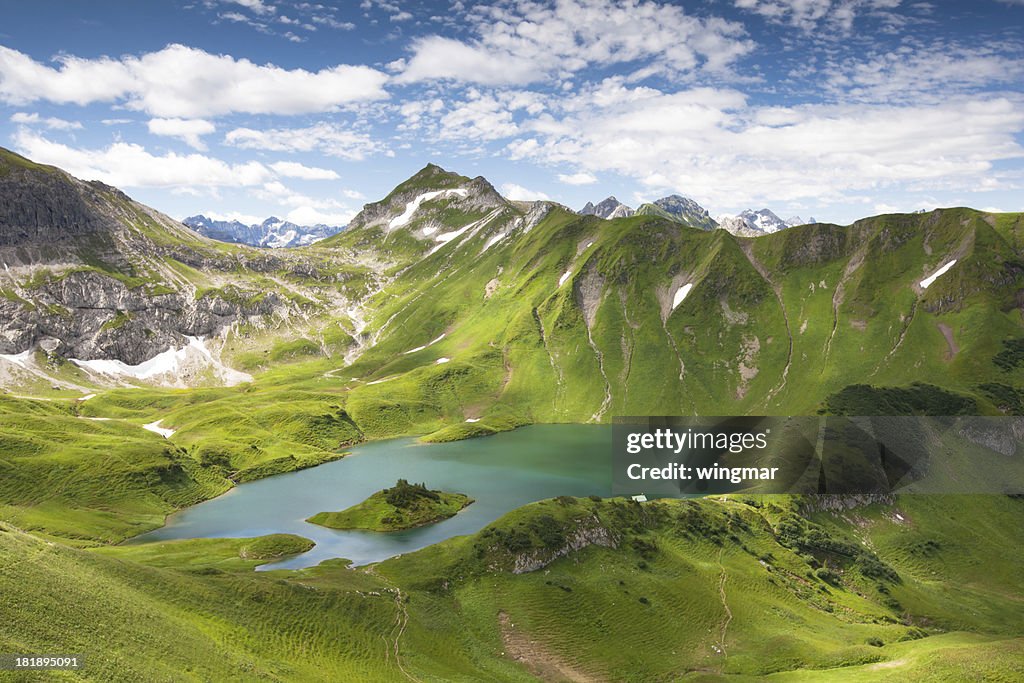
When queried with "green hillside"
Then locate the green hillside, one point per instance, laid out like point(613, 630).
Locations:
point(751, 587)
point(446, 312)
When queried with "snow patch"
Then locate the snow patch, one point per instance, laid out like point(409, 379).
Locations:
point(941, 271)
point(472, 419)
point(420, 348)
point(20, 359)
point(87, 397)
point(442, 360)
point(565, 276)
point(157, 429)
point(446, 237)
point(171, 363)
point(276, 240)
point(494, 240)
point(411, 207)
point(680, 294)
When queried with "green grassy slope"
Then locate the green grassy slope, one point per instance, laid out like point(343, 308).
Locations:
point(186, 619)
point(730, 589)
point(775, 324)
point(744, 594)
point(89, 480)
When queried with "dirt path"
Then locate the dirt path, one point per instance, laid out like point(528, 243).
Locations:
point(531, 654)
point(398, 628)
point(725, 605)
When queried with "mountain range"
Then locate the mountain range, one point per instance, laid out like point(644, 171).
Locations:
point(747, 323)
point(272, 233)
point(683, 210)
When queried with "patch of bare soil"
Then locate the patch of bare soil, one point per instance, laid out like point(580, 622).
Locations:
point(947, 332)
point(534, 656)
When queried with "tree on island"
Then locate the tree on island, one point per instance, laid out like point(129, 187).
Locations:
point(405, 495)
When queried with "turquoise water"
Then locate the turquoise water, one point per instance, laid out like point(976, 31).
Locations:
point(501, 472)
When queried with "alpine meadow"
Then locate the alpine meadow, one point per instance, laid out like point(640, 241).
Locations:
point(250, 431)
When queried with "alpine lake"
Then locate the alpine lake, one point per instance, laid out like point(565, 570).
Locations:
point(500, 472)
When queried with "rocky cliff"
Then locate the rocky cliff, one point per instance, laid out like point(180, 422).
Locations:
point(94, 275)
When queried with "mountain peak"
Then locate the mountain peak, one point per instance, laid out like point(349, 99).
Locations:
point(426, 187)
point(751, 223)
point(607, 208)
point(680, 209)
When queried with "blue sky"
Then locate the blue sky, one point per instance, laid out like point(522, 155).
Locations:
point(836, 109)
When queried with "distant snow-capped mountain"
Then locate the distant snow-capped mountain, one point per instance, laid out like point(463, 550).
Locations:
point(753, 223)
point(272, 233)
point(608, 209)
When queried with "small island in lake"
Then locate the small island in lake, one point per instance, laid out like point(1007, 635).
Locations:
point(403, 506)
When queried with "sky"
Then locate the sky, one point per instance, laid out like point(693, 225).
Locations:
point(832, 109)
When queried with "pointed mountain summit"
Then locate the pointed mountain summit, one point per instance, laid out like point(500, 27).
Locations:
point(608, 209)
point(419, 204)
point(681, 210)
point(764, 220)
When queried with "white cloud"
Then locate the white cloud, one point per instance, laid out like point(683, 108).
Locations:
point(130, 165)
point(809, 14)
point(305, 210)
point(188, 130)
point(185, 82)
point(523, 42)
point(244, 218)
point(481, 118)
point(714, 146)
point(77, 81)
point(913, 73)
point(581, 178)
point(51, 122)
point(331, 22)
point(290, 169)
point(257, 6)
point(326, 138)
point(520, 193)
point(308, 215)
